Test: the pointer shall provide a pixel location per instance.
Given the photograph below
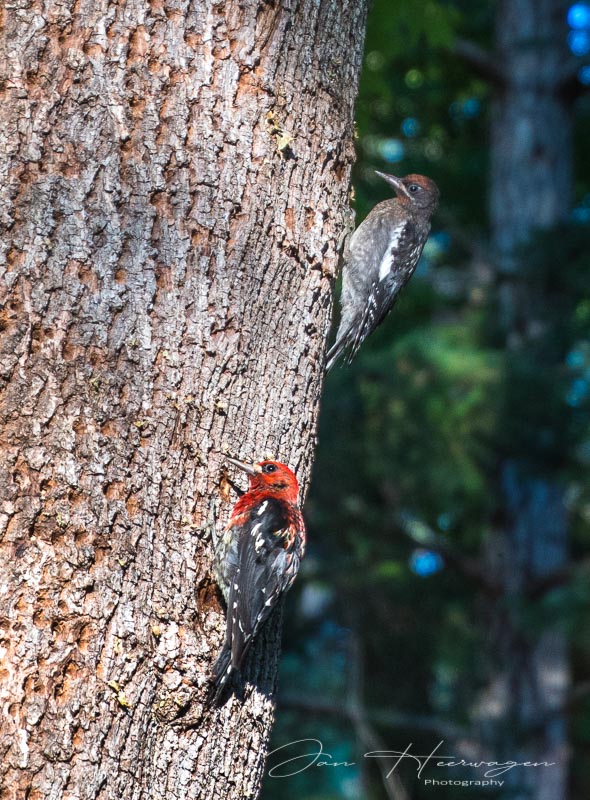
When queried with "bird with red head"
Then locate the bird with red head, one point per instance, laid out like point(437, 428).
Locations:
point(270, 477)
point(256, 561)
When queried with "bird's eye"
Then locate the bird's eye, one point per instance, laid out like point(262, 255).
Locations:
point(414, 187)
point(269, 468)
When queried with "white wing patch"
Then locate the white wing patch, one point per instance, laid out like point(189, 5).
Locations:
point(262, 509)
point(372, 307)
point(387, 260)
point(258, 537)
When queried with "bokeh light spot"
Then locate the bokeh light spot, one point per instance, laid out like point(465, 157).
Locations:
point(391, 150)
point(578, 16)
point(471, 107)
point(445, 521)
point(575, 359)
point(433, 151)
point(414, 79)
point(579, 42)
point(375, 60)
point(410, 127)
point(425, 562)
point(578, 393)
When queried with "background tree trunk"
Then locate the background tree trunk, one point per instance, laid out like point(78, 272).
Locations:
point(531, 189)
point(532, 125)
point(174, 188)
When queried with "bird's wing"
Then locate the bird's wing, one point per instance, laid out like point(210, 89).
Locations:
point(383, 277)
point(268, 562)
point(362, 263)
point(366, 259)
point(402, 253)
point(375, 310)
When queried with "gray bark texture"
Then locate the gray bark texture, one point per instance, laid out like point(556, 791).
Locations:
point(523, 712)
point(174, 184)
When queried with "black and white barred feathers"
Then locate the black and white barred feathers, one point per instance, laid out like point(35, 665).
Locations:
point(380, 258)
point(257, 559)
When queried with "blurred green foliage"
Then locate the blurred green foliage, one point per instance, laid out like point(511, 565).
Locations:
point(412, 432)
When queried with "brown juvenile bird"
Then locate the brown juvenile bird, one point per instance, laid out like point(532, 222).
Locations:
point(380, 258)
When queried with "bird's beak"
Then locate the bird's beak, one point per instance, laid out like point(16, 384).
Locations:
point(395, 182)
point(251, 469)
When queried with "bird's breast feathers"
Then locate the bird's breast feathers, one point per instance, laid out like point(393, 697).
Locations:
point(270, 524)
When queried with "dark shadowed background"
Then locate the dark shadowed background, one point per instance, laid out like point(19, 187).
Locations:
point(445, 596)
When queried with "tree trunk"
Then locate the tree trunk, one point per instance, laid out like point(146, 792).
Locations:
point(531, 189)
point(532, 125)
point(174, 185)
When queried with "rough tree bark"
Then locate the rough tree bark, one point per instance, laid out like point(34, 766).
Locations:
point(531, 189)
point(174, 185)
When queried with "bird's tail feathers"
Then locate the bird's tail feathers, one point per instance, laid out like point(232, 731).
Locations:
point(222, 677)
point(338, 348)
